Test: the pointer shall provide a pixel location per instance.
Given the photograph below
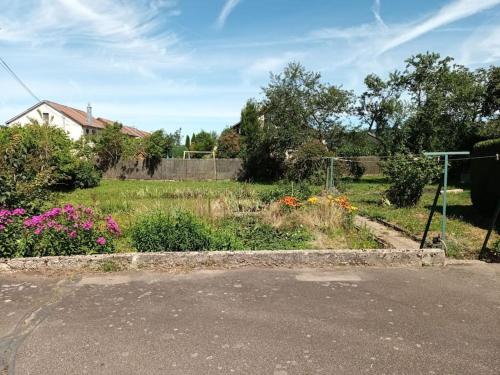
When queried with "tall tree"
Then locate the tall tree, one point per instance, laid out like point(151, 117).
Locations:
point(298, 105)
point(380, 108)
point(444, 103)
point(298, 108)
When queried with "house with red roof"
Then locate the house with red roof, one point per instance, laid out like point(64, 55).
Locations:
point(75, 122)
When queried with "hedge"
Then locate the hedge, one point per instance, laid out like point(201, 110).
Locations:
point(485, 175)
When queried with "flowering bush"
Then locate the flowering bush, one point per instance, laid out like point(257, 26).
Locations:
point(290, 202)
point(343, 202)
point(59, 231)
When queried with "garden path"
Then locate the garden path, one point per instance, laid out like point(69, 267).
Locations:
point(391, 237)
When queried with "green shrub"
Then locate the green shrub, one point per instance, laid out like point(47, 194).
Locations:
point(35, 159)
point(356, 170)
point(307, 163)
point(408, 176)
point(253, 234)
point(485, 176)
point(180, 231)
point(11, 233)
point(229, 144)
point(82, 174)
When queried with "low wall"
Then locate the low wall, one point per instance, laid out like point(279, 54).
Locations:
point(177, 261)
point(178, 169)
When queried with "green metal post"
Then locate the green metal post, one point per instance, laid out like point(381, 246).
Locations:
point(445, 188)
point(332, 183)
point(445, 181)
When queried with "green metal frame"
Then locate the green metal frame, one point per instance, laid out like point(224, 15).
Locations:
point(330, 182)
point(445, 181)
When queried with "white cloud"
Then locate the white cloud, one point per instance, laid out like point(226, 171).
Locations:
point(376, 13)
point(96, 28)
point(226, 11)
point(482, 47)
point(349, 33)
point(451, 12)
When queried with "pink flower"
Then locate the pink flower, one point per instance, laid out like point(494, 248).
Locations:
point(112, 226)
point(56, 211)
point(88, 225)
point(34, 221)
point(18, 211)
point(2, 227)
point(72, 234)
point(101, 241)
point(88, 211)
point(69, 209)
point(37, 231)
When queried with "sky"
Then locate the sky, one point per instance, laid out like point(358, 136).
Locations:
point(192, 64)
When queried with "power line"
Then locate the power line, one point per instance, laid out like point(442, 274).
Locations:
point(15, 76)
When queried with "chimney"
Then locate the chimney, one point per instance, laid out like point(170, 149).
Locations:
point(89, 115)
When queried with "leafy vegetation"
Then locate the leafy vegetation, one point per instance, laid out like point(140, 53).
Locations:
point(180, 231)
point(59, 231)
point(229, 144)
point(37, 159)
point(485, 175)
point(408, 177)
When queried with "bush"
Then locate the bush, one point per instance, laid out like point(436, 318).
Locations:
point(59, 231)
point(485, 176)
point(35, 159)
point(356, 170)
point(82, 174)
point(307, 163)
point(408, 176)
point(11, 227)
point(180, 231)
point(229, 144)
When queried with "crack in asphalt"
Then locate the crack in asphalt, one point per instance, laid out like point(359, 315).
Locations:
point(10, 343)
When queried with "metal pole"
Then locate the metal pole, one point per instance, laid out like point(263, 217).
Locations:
point(445, 187)
point(492, 225)
point(215, 166)
point(332, 184)
point(433, 209)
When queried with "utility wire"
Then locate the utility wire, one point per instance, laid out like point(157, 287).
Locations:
point(15, 76)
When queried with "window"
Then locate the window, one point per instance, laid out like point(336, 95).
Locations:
point(87, 131)
point(45, 117)
point(93, 131)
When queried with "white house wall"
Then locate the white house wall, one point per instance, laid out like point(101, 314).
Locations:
point(74, 130)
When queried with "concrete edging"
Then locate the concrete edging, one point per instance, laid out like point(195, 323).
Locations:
point(229, 259)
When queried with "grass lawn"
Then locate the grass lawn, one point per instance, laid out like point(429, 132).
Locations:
point(214, 201)
point(466, 228)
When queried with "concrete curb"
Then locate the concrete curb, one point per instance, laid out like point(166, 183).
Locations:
point(228, 259)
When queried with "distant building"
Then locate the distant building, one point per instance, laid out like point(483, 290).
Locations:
point(75, 122)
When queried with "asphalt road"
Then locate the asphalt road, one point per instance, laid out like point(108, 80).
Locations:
point(342, 321)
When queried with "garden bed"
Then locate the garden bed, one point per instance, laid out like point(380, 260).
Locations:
point(247, 216)
point(151, 216)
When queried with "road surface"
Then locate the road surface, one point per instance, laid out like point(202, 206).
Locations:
point(252, 321)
